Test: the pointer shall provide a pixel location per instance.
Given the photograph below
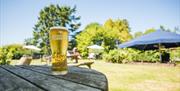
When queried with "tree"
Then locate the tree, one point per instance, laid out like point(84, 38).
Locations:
point(177, 30)
point(50, 16)
point(149, 31)
point(118, 29)
point(138, 34)
point(29, 41)
point(164, 29)
point(106, 35)
point(90, 35)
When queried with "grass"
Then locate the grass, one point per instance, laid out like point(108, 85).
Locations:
point(137, 77)
point(133, 77)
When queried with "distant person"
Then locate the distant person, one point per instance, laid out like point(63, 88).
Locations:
point(76, 54)
point(91, 56)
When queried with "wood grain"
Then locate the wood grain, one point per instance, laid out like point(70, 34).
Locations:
point(48, 82)
point(11, 82)
point(78, 75)
point(40, 78)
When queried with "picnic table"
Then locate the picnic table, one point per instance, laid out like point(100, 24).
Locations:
point(40, 78)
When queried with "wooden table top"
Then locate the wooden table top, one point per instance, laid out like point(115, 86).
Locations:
point(40, 78)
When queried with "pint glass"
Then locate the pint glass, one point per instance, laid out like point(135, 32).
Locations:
point(59, 44)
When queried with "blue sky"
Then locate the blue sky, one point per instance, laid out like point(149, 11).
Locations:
point(18, 17)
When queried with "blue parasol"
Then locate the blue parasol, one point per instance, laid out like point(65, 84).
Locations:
point(154, 40)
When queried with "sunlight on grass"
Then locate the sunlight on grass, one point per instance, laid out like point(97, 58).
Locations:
point(132, 77)
point(135, 77)
point(33, 62)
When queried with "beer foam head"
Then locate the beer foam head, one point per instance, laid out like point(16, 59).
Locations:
point(58, 27)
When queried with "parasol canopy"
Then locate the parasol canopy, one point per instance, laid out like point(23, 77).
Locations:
point(95, 47)
point(154, 40)
point(32, 47)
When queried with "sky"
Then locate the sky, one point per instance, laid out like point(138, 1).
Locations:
point(18, 17)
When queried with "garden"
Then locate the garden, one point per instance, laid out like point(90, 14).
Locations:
point(127, 69)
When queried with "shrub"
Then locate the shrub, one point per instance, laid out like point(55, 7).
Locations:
point(115, 56)
point(175, 54)
point(13, 51)
point(148, 56)
point(3, 56)
point(130, 55)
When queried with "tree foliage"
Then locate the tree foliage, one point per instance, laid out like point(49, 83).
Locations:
point(29, 41)
point(54, 15)
point(149, 31)
point(118, 29)
point(107, 35)
point(139, 33)
point(90, 35)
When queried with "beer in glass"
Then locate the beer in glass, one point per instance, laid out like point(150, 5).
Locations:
point(59, 44)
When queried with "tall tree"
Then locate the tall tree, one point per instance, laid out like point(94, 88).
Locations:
point(165, 29)
point(149, 31)
point(89, 36)
point(118, 29)
point(54, 15)
point(106, 35)
point(29, 41)
point(177, 30)
point(138, 34)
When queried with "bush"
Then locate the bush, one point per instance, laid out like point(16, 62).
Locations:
point(13, 51)
point(115, 56)
point(130, 55)
point(3, 56)
point(175, 54)
point(148, 56)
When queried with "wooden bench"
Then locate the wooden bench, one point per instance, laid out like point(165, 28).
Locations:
point(88, 64)
point(25, 60)
point(73, 57)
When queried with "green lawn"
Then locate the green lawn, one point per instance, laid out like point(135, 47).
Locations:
point(137, 77)
point(133, 77)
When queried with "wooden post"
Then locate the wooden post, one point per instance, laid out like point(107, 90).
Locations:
point(159, 45)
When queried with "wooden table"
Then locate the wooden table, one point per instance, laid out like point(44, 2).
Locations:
point(39, 78)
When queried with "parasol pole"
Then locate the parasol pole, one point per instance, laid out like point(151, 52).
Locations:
point(160, 52)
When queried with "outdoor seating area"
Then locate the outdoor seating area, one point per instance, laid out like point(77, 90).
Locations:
point(130, 74)
point(94, 45)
